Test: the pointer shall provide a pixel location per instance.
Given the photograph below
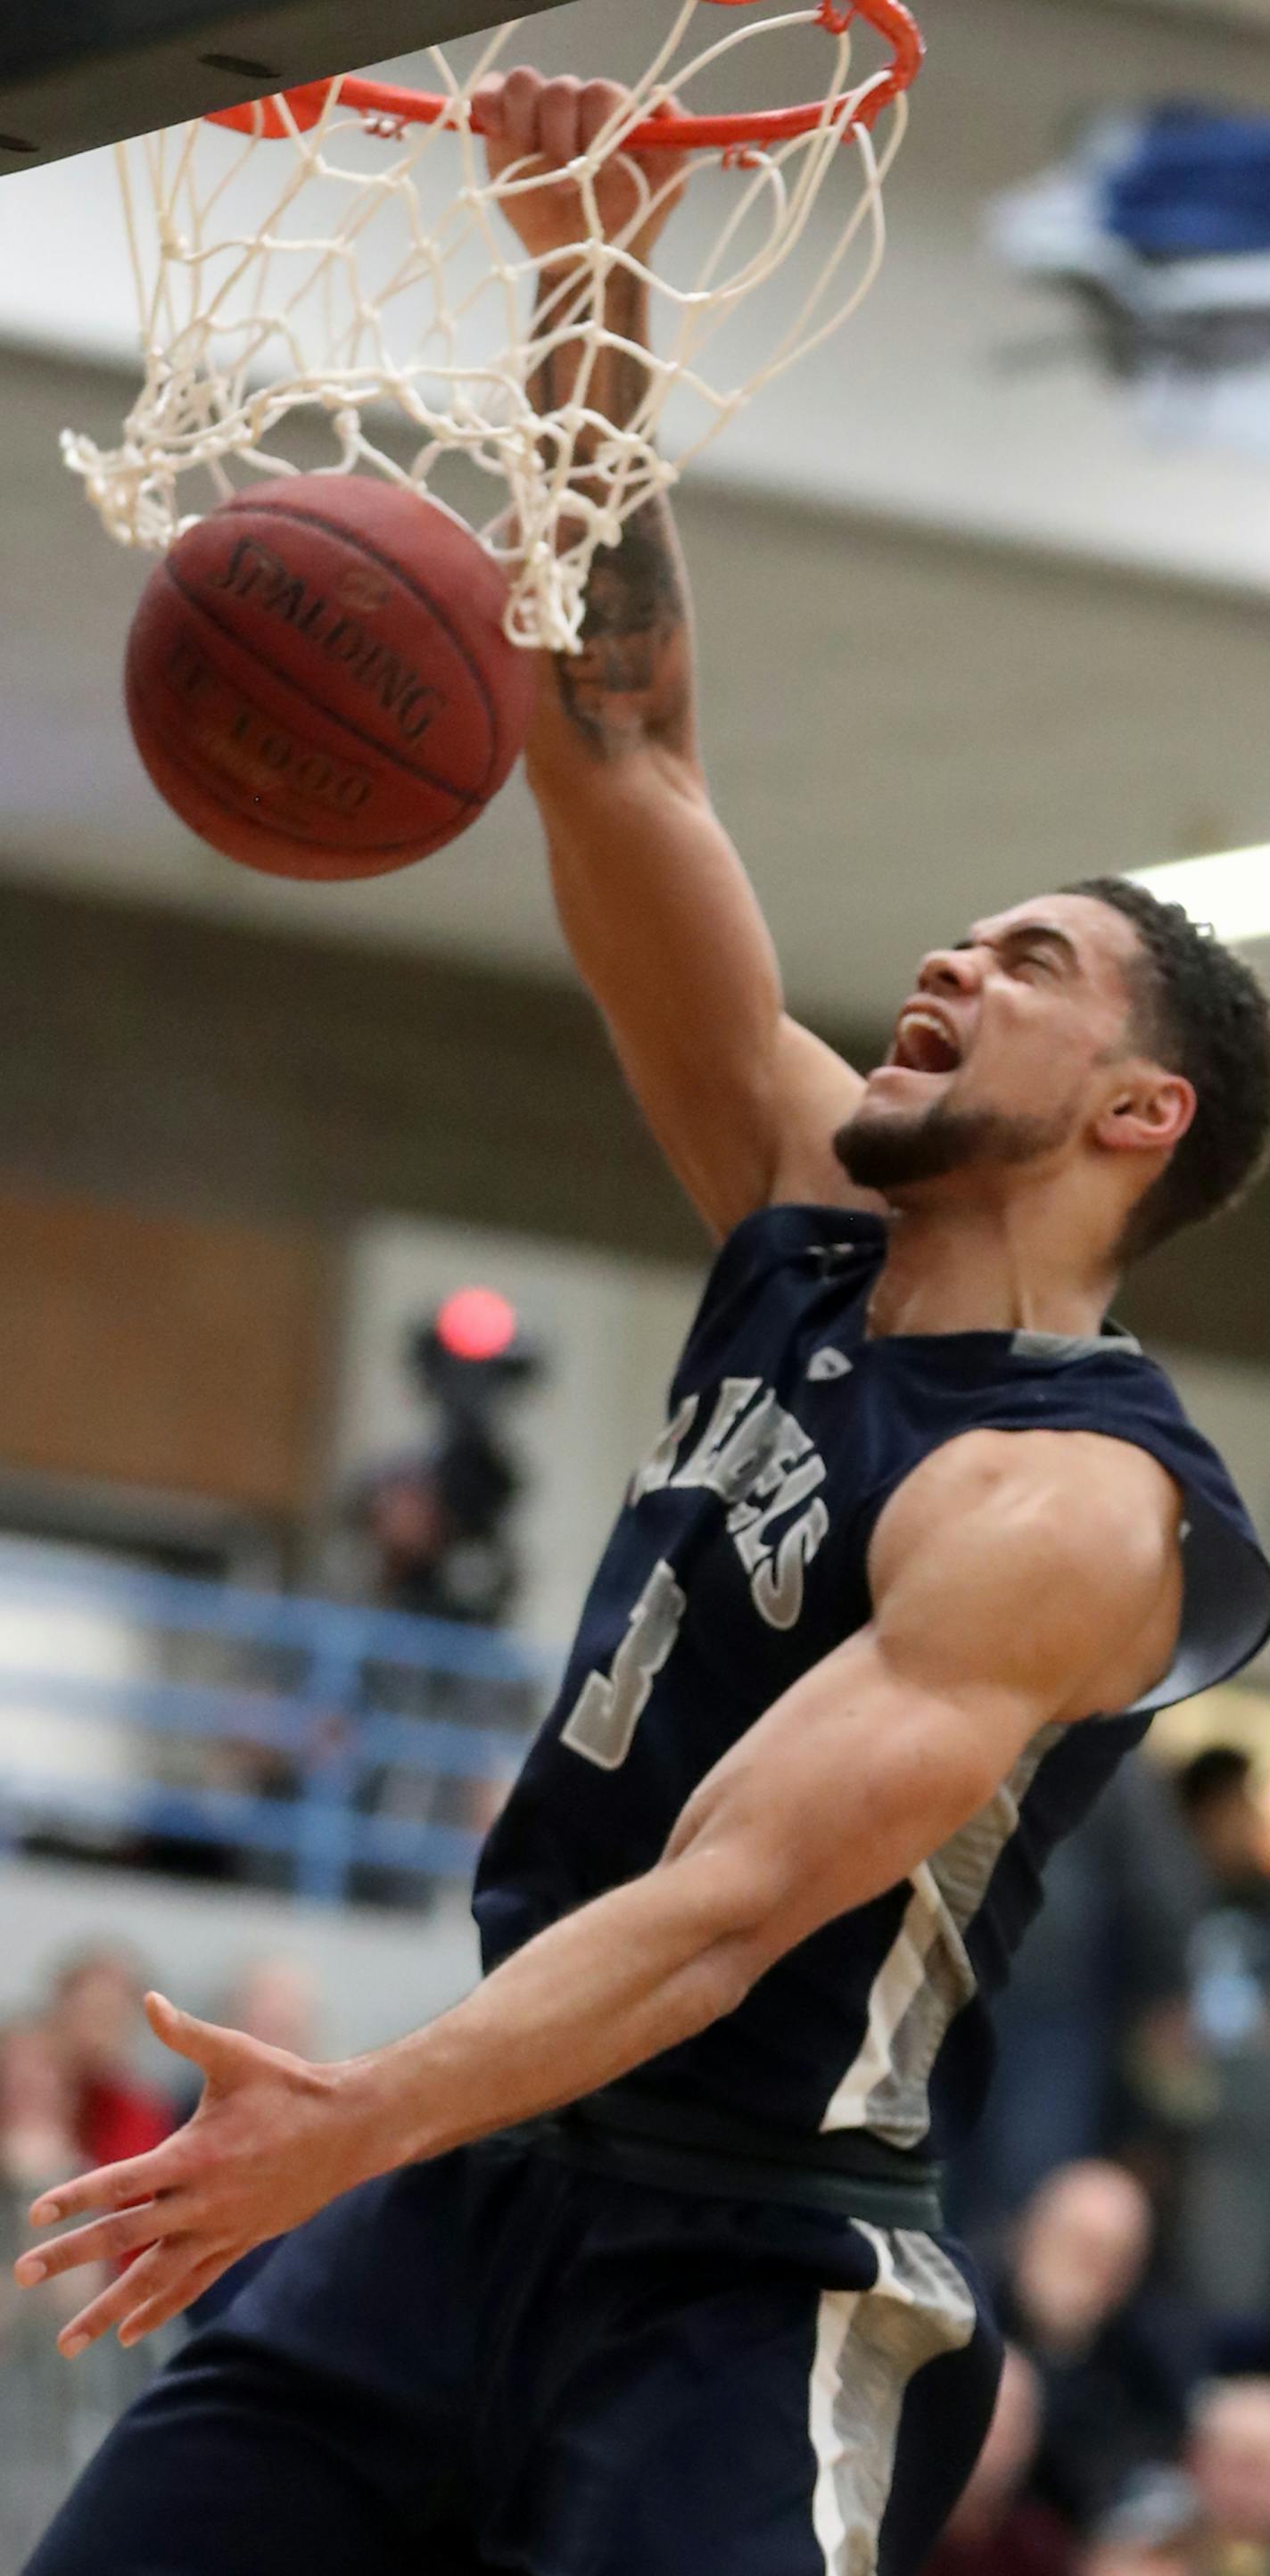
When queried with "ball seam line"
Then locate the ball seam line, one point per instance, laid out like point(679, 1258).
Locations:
point(388, 563)
point(470, 798)
point(288, 832)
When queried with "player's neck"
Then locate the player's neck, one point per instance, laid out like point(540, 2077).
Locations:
point(974, 1271)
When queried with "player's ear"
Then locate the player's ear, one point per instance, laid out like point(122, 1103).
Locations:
point(1149, 1111)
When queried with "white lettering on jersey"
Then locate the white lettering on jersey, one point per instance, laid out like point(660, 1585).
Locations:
point(601, 1724)
point(778, 1589)
point(761, 1464)
point(748, 1521)
point(735, 1468)
point(730, 1403)
point(659, 1464)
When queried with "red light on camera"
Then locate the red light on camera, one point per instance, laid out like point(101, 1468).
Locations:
point(476, 1324)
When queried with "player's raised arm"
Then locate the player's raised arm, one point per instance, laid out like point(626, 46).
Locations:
point(658, 911)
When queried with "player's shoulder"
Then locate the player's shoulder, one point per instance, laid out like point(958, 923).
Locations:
point(1107, 1403)
point(1082, 1492)
point(1040, 1559)
point(1038, 1469)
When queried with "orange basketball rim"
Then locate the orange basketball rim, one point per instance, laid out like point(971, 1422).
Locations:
point(386, 105)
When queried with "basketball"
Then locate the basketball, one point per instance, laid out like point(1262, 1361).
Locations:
point(318, 681)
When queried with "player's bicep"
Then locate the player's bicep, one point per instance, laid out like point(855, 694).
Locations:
point(1044, 1564)
point(999, 1609)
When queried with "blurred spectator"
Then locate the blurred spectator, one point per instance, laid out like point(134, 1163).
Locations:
point(1156, 2528)
point(276, 2000)
point(1117, 2360)
point(997, 2529)
point(95, 2022)
point(1216, 1795)
point(431, 1556)
point(1090, 2029)
point(438, 1518)
point(51, 2417)
point(1224, 2228)
point(38, 2145)
point(1229, 2460)
point(433, 1528)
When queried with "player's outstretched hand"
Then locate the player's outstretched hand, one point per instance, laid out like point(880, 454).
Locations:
point(273, 2139)
point(527, 118)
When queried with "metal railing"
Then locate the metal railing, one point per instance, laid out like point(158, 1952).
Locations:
point(125, 1695)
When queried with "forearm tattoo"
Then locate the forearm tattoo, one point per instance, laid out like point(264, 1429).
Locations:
point(631, 681)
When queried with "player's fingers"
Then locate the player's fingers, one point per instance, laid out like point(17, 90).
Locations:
point(114, 2186)
point(522, 90)
point(225, 2056)
point(597, 102)
point(106, 2240)
point(149, 2277)
point(488, 108)
point(159, 2309)
point(558, 118)
point(666, 168)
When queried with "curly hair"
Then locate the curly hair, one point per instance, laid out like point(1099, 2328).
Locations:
point(1202, 1011)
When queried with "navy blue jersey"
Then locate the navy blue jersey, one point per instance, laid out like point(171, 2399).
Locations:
point(738, 1561)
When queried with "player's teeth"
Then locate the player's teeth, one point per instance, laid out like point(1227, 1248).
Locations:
point(914, 1046)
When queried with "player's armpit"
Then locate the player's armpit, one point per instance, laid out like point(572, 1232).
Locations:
point(816, 1093)
point(1019, 1579)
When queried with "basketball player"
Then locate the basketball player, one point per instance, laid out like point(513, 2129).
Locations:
point(633, 2264)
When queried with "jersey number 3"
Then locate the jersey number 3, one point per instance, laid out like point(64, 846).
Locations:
point(601, 1724)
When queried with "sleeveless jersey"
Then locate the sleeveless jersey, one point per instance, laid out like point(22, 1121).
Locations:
point(738, 1561)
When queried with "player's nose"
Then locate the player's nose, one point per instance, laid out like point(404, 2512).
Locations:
point(950, 970)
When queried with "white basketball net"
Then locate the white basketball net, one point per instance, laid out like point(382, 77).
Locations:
point(362, 265)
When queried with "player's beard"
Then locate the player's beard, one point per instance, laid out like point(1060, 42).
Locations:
point(886, 1154)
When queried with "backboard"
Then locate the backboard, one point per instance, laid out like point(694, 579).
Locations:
point(88, 72)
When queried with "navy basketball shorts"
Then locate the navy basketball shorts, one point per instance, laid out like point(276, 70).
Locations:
point(499, 2362)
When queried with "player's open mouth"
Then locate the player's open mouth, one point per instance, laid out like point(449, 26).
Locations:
point(925, 1042)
